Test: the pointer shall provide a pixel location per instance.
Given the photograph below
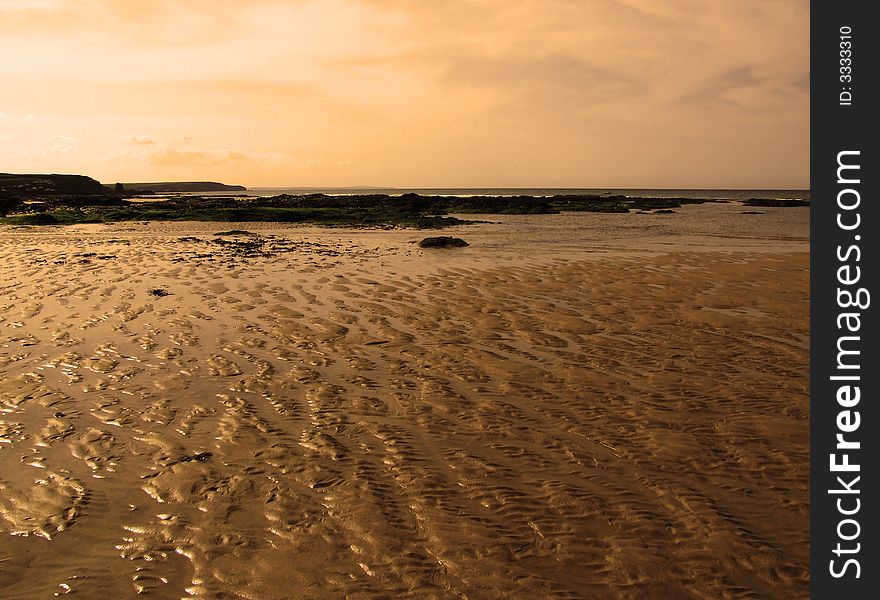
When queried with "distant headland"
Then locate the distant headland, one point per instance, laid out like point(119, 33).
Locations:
point(181, 186)
point(16, 185)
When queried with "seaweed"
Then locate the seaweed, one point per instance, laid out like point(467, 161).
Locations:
point(361, 211)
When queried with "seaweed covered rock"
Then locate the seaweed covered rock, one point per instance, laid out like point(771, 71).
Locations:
point(443, 241)
point(775, 202)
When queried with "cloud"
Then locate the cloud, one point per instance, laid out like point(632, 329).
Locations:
point(559, 81)
point(174, 157)
point(156, 19)
point(714, 90)
point(58, 145)
point(55, 150)
point(744, 89)
point(63, 139)
point(662, 11)
point(14, 5)
point(163, 158)
point(170, 157)
point(196, 99)
point(9, 118)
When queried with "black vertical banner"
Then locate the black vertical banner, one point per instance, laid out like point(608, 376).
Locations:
point(845, 299)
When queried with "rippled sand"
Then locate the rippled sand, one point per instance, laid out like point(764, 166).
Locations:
point(548, 413)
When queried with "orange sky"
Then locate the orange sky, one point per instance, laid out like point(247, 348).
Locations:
point(409, 93)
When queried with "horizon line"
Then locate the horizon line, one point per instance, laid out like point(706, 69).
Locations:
point(429, 187)
point(515, 187)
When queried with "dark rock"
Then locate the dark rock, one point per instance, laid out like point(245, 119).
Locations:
point(158, 292)
point(235, 232)
point(38, 219)
point(775, 202)
point(443, 241)
point(664, 211)
point(200, 457)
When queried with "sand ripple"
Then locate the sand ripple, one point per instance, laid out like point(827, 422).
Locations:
point(339, 420)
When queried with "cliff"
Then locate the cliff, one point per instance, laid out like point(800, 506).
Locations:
point(14, 185)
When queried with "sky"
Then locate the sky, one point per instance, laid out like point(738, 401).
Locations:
point(409, 93)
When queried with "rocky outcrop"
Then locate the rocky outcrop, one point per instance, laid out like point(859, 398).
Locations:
point(775, 202)
point(14, 185)
point(443, 241)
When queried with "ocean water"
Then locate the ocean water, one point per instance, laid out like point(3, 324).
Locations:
point(714, 194)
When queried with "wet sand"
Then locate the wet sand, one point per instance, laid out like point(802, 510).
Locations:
point(575, 406)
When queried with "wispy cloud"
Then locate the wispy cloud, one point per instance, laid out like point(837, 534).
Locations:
point(171, 157)
point(166, 155)
point(716, 89)
point(63, 139)
point(559, 81)
point(141, 140)
point(56, 145)
point(175, 157)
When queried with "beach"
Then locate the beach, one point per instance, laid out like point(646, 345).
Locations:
point(574, 406)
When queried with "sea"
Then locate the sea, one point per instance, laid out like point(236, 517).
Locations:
point(711, 194)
